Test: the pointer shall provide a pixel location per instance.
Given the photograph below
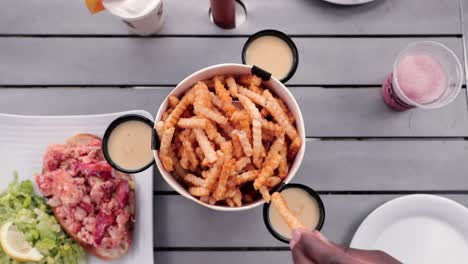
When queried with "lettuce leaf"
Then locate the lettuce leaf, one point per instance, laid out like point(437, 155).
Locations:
point(32, 216)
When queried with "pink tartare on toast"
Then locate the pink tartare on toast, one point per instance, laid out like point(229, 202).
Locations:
point(93, 203)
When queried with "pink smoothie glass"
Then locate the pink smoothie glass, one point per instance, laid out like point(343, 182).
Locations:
point(426, 74)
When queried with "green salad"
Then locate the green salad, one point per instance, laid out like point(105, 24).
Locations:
point(34, 218)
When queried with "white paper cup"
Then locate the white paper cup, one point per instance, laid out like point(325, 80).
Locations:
point(235, 69)
point(147, 23)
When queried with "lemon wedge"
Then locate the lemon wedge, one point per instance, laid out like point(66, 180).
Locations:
point(15, 246)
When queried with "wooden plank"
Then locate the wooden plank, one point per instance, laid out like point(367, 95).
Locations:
point(376, 165)
point(225, 257)
point(178, 222)
point(166, 61)
point(191, 17)
point(464, 15)
point(363, 165)
point(342, 112)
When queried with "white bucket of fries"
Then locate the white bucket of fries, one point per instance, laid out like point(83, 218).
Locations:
point(207, 163)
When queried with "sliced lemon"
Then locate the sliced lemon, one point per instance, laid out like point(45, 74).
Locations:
point(15, 246)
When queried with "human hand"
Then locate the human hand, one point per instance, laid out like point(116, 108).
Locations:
point(311, 247)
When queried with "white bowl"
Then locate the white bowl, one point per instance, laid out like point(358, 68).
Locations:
point(235, 69)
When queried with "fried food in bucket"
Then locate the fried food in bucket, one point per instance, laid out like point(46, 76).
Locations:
point(228, 140)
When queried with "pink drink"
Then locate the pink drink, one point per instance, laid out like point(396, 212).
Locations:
point(419, 77)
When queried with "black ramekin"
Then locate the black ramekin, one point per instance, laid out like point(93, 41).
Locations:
point(111, 127)
point(281, 35)
point(314, 194)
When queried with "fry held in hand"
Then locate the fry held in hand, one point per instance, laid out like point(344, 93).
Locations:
point(219, 149)
point(280, 204)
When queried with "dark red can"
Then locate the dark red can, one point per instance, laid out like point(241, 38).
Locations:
point(224, 13)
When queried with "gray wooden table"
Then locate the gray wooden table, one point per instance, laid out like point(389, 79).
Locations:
point(58, 59)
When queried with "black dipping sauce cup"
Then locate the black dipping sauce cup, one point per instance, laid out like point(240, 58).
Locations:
point(313, 194)
point(111, 127)
point(285, 38)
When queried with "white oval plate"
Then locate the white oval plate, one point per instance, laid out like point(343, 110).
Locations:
point(417, 229)
point(348, 2)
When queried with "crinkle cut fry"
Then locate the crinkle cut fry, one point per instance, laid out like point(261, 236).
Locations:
point(283, 169)
point(241, 163)
point(164, 149)
point(202, 106)
point(242, 121)
point(243, 139)
point(273, 181)
point(265, 193)
point(225, 97)
point(250, 107)
point(194, 180)
point(159, 126)
point(226, 171)
point(246, 177)
point(172, 101)
point(237, 146)
point(213, 173)
point(257, 145)
point(178, 110)
point(193, 122)
point(282, 207)
point(213, 134)
point(233, 87)
point(270, 126)
point(199, 191)
point(294, 148)
point(205, 145)
point(279, 115)
point(268, 167)
point(190, 151)
point(255, 97)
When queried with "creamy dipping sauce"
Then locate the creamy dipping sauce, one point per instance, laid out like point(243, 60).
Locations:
point(272, 54)
point(129, 145)
point(302, 205)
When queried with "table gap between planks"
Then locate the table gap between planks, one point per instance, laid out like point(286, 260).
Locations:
point(57, 59)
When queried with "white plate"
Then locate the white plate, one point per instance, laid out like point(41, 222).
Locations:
point(348, 2)
point(417, 229)
point(23, 141)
